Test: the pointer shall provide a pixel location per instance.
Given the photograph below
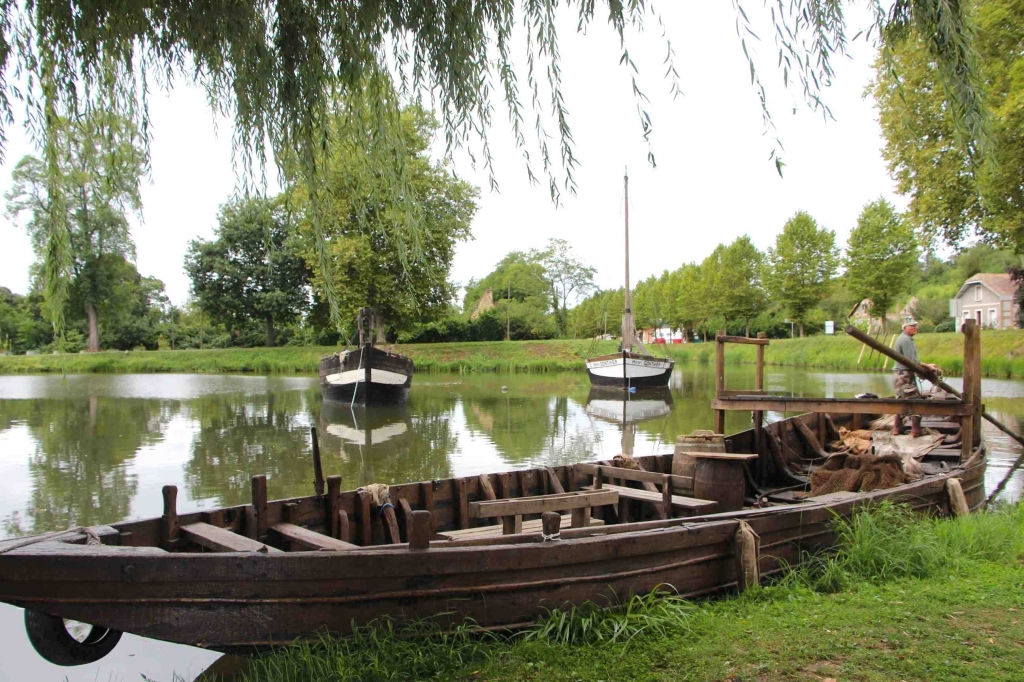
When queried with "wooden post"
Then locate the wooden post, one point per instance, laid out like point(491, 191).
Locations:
point(581, 517)
point(387, 514)
point(169, 529)
point(598, 479)
point(488, 492)
point(550, 522)
point(427, 492)
point(970, 330)
point(421, 530)
point(259, 504)
point(461, 503)
point(666, 496)
point(344, 534)
point(504, 488)
point(334, 505)
point(365, 517)
point(556, 485)
point(318, 470)
point(406, 508)
point(719, 380)
point(976, 363)
point(290, 513)
point(511, 524)
point(758, 415)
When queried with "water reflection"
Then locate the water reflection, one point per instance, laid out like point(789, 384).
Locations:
point(97, 449)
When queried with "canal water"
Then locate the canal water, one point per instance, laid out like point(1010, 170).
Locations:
point(95, 449)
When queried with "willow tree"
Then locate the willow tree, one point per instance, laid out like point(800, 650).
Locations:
point(286, 69)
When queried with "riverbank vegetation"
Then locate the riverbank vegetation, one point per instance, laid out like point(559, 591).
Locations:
point(902, 598)
point(1002, 356)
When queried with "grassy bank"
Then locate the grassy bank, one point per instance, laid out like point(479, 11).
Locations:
point(1002, 356)
point(496, 356)
point(1002, 353)
point(903, 599)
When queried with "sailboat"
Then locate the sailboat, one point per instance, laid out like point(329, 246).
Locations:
point(628, 368)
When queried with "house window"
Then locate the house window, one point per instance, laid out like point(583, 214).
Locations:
point(977, 293)
point(993, 321)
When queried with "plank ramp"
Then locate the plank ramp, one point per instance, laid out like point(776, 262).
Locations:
point(222, 539)
point(310, 539)
point(688, 503)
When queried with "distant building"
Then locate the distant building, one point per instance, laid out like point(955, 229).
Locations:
point(988, 299)
point(486, 302)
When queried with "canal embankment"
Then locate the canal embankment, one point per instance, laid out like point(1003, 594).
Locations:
point(1002, 356)
point(903, 598)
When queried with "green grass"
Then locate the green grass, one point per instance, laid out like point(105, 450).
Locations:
point(1002, 356)
point(488, 356)
point(903, 598)
point(1002, 353)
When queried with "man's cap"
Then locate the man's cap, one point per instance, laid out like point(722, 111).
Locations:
point(910, 323)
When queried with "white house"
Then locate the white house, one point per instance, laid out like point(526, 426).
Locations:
point(988, 299)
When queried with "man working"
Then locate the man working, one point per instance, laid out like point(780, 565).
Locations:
point(904, 381)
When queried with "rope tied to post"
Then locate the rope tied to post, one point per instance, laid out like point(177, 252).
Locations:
point(551, 538)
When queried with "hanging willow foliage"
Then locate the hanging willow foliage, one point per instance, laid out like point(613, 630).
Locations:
point(294, 74)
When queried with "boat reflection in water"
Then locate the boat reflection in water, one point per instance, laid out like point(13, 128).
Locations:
point(628, 409)
point(358, 434)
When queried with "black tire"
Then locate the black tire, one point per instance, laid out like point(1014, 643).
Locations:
point(51, 640)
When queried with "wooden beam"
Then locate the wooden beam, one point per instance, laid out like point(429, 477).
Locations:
point(970, 381)
point(461, 502)
point(222, 540)
point(344, 533)
point(812, 440)
point(759, 341)
point(487, 489)
point(308, 538)
point(555, 483)
point(737, 393)
point(732, 456)
point(365, 517)
point(427, 498)
point(387, 515)
point(541, 504)
point(838, 405)
point(635, 474)
point(406, 509)
point(511, 524)
point(719, 381)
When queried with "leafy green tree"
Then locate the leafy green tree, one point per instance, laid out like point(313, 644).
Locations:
point(951, 194)
point(568, 277)
point(741, 292)
point(84, 203)
point(881, 257)
point(360, 261)
point(800, 267)
point(252, 269)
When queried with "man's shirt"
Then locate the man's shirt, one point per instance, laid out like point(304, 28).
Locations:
point(905, 346)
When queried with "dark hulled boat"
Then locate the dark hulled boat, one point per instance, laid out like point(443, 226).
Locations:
point(366, 375)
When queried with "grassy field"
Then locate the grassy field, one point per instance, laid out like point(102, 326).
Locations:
point(1002, 356)
point(491, 356)
point(1002, 353)
point(903, 599)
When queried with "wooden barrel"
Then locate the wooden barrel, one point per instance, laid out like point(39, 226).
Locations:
point(698, 441)
point(721, 481)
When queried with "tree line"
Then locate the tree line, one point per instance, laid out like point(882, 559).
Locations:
point(261, 279)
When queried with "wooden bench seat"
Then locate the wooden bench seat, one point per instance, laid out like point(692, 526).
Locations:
point(690, 504)
point(531, 526)
point(512, 510)
point(309, 539)
point(222, 540)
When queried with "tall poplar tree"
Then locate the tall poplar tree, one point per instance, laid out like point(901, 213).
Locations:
point(800, 267)
point(881, 256)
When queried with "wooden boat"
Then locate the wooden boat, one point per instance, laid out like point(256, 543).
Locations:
point(497, 548)
point(366, 375)
point(629, 368)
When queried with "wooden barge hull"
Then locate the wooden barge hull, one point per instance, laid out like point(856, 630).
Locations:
point(240, 600)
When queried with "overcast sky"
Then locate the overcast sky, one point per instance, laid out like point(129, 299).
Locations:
point(713, 181)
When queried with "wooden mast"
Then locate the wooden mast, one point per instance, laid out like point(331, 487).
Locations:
point(628, 331)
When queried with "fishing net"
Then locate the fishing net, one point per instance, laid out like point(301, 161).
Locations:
point(857, 473)
point(625, 462)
